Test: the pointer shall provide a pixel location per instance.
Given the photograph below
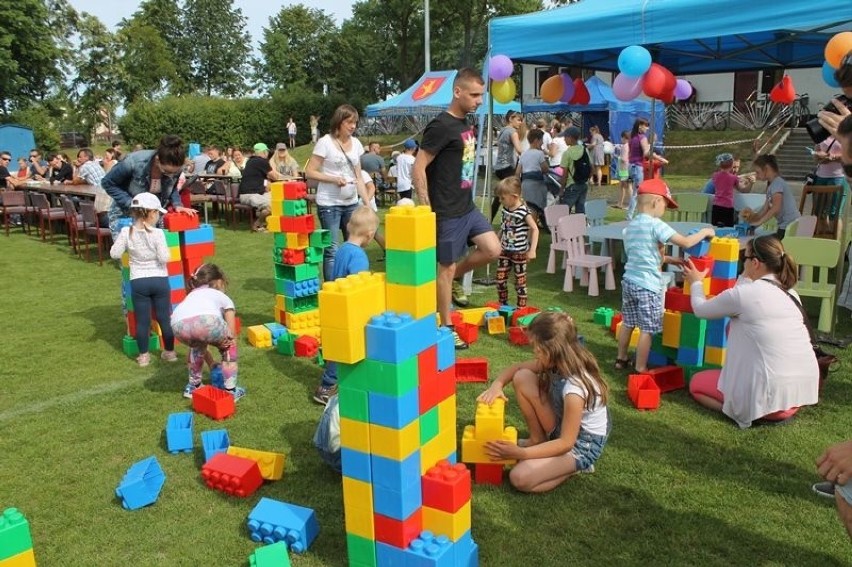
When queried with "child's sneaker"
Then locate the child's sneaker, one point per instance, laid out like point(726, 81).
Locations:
point(143, 360)
point(237, 392)
point(323, 393)
point(190, 388)
point(458, 342)
point(169, 356)
point(459, 297)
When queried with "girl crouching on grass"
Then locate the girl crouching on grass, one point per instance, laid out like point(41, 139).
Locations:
point(563, 398)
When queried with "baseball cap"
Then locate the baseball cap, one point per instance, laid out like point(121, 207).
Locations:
point(571, 132)
point(147, 201)
point(409, 144)
point(657, 187)
point(280, 146)
point(722, 158)
point(261, 147)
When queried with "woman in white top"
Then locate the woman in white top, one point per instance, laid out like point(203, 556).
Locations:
point(770, 369)
point(336, 166)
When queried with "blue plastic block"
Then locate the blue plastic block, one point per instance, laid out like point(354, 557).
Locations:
point(217, 379)
point(394, 411)
point(276, 330)
point(657, 359)
point(724, 270)
point(473, 560)
point(177, 282)
point(393, 337)
point(430, 550)
point(690, 356)
point(214, 441)
point(179, 432)
point(301, 289)
point(489, 315)
point(395, 475)
point(141, 484)
point(462, 549)
point(700, 249)
point(201, 235)
point(356, 464)
point(452, 458)
point(397, 505)
point(717, 335)
point(271, 521)
point(446, 349)
point(506, 311)
point(389, 555)
point(727, 232)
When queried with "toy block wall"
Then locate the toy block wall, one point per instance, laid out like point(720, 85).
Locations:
point(396, 380)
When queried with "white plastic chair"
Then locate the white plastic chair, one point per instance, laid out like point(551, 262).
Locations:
point(552, 214)
point(572, 241)
point(803, 226)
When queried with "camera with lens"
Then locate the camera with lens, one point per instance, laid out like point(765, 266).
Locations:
point(815, 129)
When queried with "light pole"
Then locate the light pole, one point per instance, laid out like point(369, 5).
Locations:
point(426, 54)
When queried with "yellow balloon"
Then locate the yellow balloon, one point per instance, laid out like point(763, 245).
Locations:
point(503, 91)
point(552, 89)
point(837, 48)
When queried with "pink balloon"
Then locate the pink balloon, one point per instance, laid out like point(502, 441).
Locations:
point(683, 90)
point(626, 88)
point(567, 88)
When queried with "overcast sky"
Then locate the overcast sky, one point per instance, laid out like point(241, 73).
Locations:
point(257, 12)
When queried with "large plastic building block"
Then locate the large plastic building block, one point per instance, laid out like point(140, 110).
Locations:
point(435, 386)
point(429, 425)
point(725, 249)
point(473, 449)
point(616, 319)
point(274, 555)
point(15, 535)
point(198, 250)
point(603, 316)
point(419, 301)
point(394, 411)
point(705, 285)
point(429, 550)
point(178, 222)
point(395, 337)
point(23, 559)
point(446, 348)
point(179, 432)
point(506, 312)
point(342, 345)
point(214, 403)
point(690, 356)
point(131, 349)
point(475, 315)
point(355, 434)
point(394, 474)
point(286, 344)
point(304, 224)
point(306, 346)
point(298, 273)
point(518, 336)
point(353, 399)
point(271, 464)
point(717, 332)
point(393, 379)
point(714, 355)
point(452, 525)
point(446, 486)
point(693, 331)
point(200, 235)
point(291, 240)
point(299, 304)
point(718, 285)
point(177, 282)
point(349, 303)
point(486, 473)
point(526, 319)
point(295, 208)
point(677, 300)
point(671, 328)
point(296, 322)
point(703, 263)
point(472, 370)
point(295, 190)
point(259, 336)
point(177, 295)
point(699, 249)
point(358, 504)
point(395, 532)
point(360, 551)
point(410, 228)
point(668, 378)
point(643, 392)
point(395, 444)
point(495, 325)
point(277, 330)
point(232, 475)
point(290, 256)
point(411, 268)
point(271, 521)
point(172, 239)
point(725, 270)
point(634, 336)
point(523, 312)
point(303, 288)
point(489, 420)
point(140, 486)
point(398, 504)
point(320, 238)
point(468, 332)
point(213, 442)
point(356, 464)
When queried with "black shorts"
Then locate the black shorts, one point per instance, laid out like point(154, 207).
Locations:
point(504, 173)
point(456, 234)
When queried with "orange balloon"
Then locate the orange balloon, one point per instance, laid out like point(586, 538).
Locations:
point(837, 48)
point(552, 89)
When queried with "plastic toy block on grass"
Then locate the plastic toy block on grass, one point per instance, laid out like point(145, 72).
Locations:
point(520, 312)
point(178, 222)
point(410, 228)
point(232, 475)
point(213, 442)
point(259, 336)
point(276, 330)
point(495, 325)
point(472, 370)
point(485, 473)
point(634, 336)
point(393, 337)
point(616, 319)
point(475, 315)
point(214, 403)
point(446, 486)
point(274, 555)
point(446, 348)
point(671, 328)
point(398, 533)
point(290, 256)
point(320, 238)
point(23, 559)
point(293, 289)
point(518, 336)
point(468, 332)
point(305, 346)
point(140, 486)
point(668, 378)
point(271, 521)
point(473, 448)
point(15, 535)
point(131, 349)
point(603, 316)
point(419, 300)
point(271, 464)
point(411, 268)
point(179, 432)
point(643, 392)
point(429, 550)
point(349, 303)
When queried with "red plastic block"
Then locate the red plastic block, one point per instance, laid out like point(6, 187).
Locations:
point(518, 336)
point(668, 378)
point(174, 268)
point(430, 391)
point(446, 486)
point(486, 473)
point(495, 305)
point(177, 295)
point(456, 318)
point(213, 402)
point(472, 370)
point(717, 285)
point(199, 250)
point(702, 263)
point(295, 190)
point(643, 391)
point(190, 265)
point(436, 389)
point(616, 319)
point(306, 346)
point(676, 300)
point(292, 257)
point(232, 475)
point(396, 532)
point(303, 224)
point(238, 326)
point(468, 332)
point(131, 323)
point(522, 312)
point(178, 222)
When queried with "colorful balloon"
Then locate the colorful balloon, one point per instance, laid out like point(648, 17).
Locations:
point(626, 88)
point(503, 91)
point(634, 61)
point(500, 68)
point(551, 89)
point(567, 88)
point(838, 47)
point(828, 76)
point(683, 89)
point(581, 93)
point(654, 81)
point(784, 92)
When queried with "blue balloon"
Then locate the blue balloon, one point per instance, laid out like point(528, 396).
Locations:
point(828, 75)
point(634, 60)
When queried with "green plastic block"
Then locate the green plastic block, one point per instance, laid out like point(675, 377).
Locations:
point(274, 555)
point(128, 302)
point(172, 238)
point(411, 268)
point(280, 239)
point(658, 347)
point(285, 344)
point(15, 535)
point(301, 304)
point(320, 359)
point(125, 274)
point(295, 208)
point(692, 331)
point(360, 551)
point(526, 319)
point(385, 377)
point(298, 273)
point(603, 316)
point(313, 255)
point(352, 396)
point(429, 425)
point(320, 238)
point(131, 349)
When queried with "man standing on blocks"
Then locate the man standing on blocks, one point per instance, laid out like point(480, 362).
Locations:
point(443, 178)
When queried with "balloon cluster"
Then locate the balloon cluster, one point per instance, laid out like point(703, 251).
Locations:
point(500, 70)
point(561, 88)
point(640, 75)
point(836, 49)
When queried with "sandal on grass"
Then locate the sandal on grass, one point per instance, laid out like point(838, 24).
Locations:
point(622, 363)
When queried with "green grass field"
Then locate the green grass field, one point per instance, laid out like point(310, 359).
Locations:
point(678, 486)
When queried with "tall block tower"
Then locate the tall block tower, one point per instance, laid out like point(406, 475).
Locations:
point(406, 501)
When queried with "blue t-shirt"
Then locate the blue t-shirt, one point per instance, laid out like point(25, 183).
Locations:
point(349, 259)
point(642, 238)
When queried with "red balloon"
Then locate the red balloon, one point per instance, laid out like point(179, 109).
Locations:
point(784, 92)
point(671, 80)
point(668, 97)
point(654, 81)
point(581, 93)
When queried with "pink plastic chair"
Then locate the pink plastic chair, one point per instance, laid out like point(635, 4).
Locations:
point(572, 241)
point(552, 214)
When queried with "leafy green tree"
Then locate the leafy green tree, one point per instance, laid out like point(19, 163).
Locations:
point(146, 68)
point(97, 73)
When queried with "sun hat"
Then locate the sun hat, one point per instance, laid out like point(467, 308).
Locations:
point(657, 187)
point(147, 201)
point(261, 147)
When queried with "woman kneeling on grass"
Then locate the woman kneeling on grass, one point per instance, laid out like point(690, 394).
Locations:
point(562, 397)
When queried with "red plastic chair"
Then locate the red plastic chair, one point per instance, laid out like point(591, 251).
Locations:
point(91, 227)
point(73, 222)
point(15, 203)
point(46, 214)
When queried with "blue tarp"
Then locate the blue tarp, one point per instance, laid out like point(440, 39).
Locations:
point(17, 140)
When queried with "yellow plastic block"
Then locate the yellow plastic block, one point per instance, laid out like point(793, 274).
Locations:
point(714, 355)
point(22, 559)
point(359, 520)
point(174, 253)
point(396, 444)
point(273, 223)
point(671, 328)
point(125, 260)
point(280, 315)
point(430, 453)
point(355, 434)
point(489, 420)
point(410, 228)
point(349, 303)
point(357, 494)
point(417, 300)
point(634, 338)
point(280, 302)
point(473, 450)
point(451, 524)
point(447, 414)
point(315, 332)
point(297, 323)
point(297, 241)
point(276, 191)
point(475, 315)
point(271, 464)
point(705, 283)
point(343, 345)
point(259, 336)
point(496, 325)
point(725, 249)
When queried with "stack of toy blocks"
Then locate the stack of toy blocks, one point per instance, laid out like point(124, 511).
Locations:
point(16, 543)
point(489, 425)
point(396, 373)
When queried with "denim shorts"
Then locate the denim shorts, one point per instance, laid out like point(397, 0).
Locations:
point(641, 308)
point(589, 446)
point(456, 234)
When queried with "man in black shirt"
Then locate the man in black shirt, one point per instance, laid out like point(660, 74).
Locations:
point(253, 189)
point(443, 177)
point(60, 171)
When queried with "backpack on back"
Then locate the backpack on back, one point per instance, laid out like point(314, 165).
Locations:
point(582, 168)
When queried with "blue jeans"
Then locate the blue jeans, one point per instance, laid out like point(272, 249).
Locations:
point(637, 174)
point(329, 375)
point(575, 197)
point(148, 292)
point(328, 448)
point(333, 218)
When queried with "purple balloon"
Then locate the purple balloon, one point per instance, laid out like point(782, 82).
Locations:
point(500, 68)
point(626, 88)
point(567, 88)
point(683, 90)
